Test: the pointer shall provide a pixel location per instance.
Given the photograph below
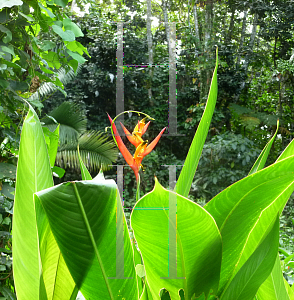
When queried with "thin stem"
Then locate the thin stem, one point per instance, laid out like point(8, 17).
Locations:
point(138, 189)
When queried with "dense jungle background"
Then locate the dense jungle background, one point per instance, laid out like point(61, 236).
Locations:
point(61, 57)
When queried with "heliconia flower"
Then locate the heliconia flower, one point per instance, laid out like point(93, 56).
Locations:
point(142, 150)
point(141, 127)
point(136, 137)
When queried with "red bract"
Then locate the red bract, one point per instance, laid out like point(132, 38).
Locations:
point(142, 149)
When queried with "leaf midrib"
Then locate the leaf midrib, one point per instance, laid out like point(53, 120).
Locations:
point(92, 240)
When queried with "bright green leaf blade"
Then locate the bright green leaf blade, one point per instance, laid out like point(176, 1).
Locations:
point(82, 216)
point(187, 174)
point(198, 243)
point(290, 290)
point(273, 287)
point(71, 26)
point(67, 35)
point(85, 173)
point(244, 211)
point(256, 269)
point(52, 59)
point(33, 174)
point(79, 58)
point(58, 281)
point(261, 160)
point(289, 151)
point(52, 141)
point(49, 12)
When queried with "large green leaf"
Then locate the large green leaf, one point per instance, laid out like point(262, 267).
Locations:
point(162, 218)
point(83, 218)
point(33, 174)
point(57, 279)
point(261, 160)
point(69, 25)
point(188, 171)
point(289, 151)
point(290, 290)
point(274, 287)
point(256, 269)
point(244, 211)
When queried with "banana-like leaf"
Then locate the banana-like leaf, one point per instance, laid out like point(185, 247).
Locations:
point(290, 290)
point(33, 174)
point(256, 269)
point(184, 182)
point(179, 242)
point(274, 287)
point(261, 160)
point(289, 151)
point(55, 272)
point(245, 210)
point(83, 219)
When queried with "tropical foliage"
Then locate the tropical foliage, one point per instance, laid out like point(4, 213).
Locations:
point(227, 249)
point(44, 47)
point(95, 149)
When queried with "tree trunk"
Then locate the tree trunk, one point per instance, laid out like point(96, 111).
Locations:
point(244, 21)
point(206, 73)
point(189, 14)
point(150, 50)
point(196, 25)
point(208, 21)
point(251, 42)
point(250, 50)
point(165, 15)
point(231, 27)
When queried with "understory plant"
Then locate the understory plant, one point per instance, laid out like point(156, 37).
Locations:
point(74, 236)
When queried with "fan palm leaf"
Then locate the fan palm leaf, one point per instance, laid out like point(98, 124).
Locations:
point(95, 149)
point(72, 120)
point(47, 88)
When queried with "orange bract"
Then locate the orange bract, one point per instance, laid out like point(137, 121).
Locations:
point(142, 147)
point(136, 137)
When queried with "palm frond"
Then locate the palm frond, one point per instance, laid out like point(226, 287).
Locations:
point(47, 88)
point(72, 120)
point(95, 149)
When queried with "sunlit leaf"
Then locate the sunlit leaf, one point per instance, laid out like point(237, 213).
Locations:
point(244, 211)
point(261, 160)
point(274, 287)
point(161, 219)
point(256, 269)
point(87, 240)
point(188, 171)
